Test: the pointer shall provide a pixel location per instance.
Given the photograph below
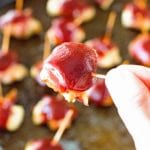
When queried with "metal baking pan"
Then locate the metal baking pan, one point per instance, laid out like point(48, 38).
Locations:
point(95, 128)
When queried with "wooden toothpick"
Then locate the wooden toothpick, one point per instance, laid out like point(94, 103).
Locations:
point(1, 90)
point(110, 24)
point(64, 124)
point(47, 48)
point(19, 4)
point(6, 38)
point(101, 76)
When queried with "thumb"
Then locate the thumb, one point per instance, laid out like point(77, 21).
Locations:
point(132, 99)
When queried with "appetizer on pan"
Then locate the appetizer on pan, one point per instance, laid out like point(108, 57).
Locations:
point(65, 30)
point(70, 70)
point(107, 50)
point(51, 110)
point(11, 114)
point(48, 143)
point(139, 49)
point(75, 9)
point(23, 24)
point(136, 15)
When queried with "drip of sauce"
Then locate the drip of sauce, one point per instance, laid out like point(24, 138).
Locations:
point(6, 60)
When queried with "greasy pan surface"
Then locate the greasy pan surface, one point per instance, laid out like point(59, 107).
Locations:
point(95, 128)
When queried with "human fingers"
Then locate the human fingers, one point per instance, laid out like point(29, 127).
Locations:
point(132, 98)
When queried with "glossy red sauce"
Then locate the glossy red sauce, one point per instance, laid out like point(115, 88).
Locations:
point(140, 50)
point(7, 59)
point(55, 108)
point(136, 11)
point(70, 66)
point(98, 94)
point(64, 29)
point(102, 45)
point(45, 144)
point(14, 16)
point(5, 110)
point(73, 8)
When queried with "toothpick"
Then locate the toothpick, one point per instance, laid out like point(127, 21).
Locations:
point(47, 49)
point(1, 91)
point(110, 24)
point(6, 38)
point(64, 124)
point(19, 4)
point(101, 76)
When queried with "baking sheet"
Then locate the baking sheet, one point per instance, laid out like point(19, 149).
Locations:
point(95, 128)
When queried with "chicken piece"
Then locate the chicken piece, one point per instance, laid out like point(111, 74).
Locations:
point(23, 24)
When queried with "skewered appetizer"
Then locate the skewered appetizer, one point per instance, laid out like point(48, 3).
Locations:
point(65, 30)
point(136, 15)
point(107, 51)
point(23, 24)
point(51, 144)
point(11, 114)
point(99, 95)
point(104, 4)
point(76, 9)
point(43, 144)
point(69, 70)
point(139, 49)
point(10, 69)
point(51, 110)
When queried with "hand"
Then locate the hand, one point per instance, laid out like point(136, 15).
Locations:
point(129, 86)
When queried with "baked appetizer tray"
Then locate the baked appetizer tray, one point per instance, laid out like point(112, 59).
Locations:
point(96, 127)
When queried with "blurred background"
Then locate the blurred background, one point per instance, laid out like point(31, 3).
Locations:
point(96, 127)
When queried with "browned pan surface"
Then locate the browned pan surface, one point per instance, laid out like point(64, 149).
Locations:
point(96, 128)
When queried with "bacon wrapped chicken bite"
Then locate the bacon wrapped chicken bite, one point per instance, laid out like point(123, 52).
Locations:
point(23, 24)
